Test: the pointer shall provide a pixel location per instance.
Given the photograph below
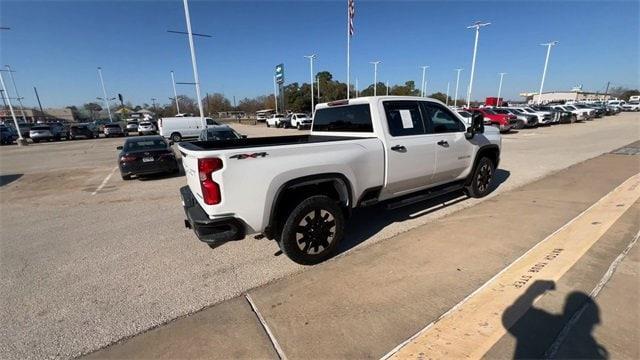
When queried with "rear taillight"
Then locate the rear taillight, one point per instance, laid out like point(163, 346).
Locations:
point(210, 189)
point(128, 158)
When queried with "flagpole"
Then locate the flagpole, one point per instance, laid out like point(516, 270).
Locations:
point(348, 50)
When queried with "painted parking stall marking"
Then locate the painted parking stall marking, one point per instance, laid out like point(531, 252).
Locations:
point(473, 326)
point(104, 182)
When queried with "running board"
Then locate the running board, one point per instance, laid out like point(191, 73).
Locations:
point(425, 195)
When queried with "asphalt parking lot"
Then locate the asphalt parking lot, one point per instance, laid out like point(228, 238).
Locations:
point(92, 259)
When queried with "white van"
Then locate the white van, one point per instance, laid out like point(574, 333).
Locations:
point(178, 128)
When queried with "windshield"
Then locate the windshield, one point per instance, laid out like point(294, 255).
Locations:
point(112, 126)
point(491, 112)
point(42, 127)
point(570, 107)
point(501, 111)
point(145, 124)
point(146, 144)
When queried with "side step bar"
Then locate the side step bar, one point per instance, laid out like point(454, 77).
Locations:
point(426, 195)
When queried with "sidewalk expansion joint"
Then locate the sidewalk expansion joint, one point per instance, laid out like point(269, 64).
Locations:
point(265, 326)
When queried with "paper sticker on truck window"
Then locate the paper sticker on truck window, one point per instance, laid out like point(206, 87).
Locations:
point(407, 122)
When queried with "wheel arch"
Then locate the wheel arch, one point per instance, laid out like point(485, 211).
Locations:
point(492, 151)
point(334, 185)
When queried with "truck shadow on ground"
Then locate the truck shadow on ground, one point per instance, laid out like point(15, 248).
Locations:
point(543, 335)
point(367, 222)
point(8, 179)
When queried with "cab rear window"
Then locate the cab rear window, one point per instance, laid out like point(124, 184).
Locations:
point(350, 118)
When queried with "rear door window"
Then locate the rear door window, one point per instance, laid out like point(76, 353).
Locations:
point(350, 118)
point(404, 118)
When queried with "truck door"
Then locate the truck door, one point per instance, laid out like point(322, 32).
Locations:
point(411, 152)
point(453, 150)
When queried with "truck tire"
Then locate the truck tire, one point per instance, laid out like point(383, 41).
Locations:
point(176, 137)
point(481, 178)
point(313, 230)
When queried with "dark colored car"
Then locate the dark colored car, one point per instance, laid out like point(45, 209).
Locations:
point(87, 131)
point(146, 155)
point(7, 135)
point(221, 132)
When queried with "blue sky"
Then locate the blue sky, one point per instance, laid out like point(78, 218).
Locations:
point(57, 45)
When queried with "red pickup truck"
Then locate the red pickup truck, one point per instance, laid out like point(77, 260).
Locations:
point(503, 121)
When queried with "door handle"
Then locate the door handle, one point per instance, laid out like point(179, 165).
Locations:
point(443, 143)
point(399, 148)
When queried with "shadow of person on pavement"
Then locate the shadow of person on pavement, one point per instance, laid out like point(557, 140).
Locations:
point(536, 330)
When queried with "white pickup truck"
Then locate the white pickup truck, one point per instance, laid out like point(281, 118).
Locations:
point(300, 190)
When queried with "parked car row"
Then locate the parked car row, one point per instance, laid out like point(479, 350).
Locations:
point(518, 117)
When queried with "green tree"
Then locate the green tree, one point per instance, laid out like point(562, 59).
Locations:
point(93, 109)
point(440, 96)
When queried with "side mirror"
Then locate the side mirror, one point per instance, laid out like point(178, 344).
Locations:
point(477, 125)
point(119, 147)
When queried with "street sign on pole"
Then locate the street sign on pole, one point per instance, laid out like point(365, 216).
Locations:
point(280, 73)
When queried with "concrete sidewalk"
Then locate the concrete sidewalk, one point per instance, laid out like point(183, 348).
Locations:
point(364, 304)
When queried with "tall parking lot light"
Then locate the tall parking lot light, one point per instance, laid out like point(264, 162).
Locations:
point(15, 88)
point(104, 92)
point(387, 87)
point(424, 74)
point(477, 25)
point(455, 98)
point(193, 62)
point(546, 62)
point(357, 92)
point(502, 74)
point(447, 98)
point(311, 57)
point(5, 97)
point(175, 93)
point(375, 76)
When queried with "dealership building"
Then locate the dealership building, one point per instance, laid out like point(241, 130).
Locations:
point(33, 116)
point(562, 96)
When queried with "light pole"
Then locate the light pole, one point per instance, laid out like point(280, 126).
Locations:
point(5, 97)
point(318, 84)
point(477, 25)
point(311, 57)
point(455, 99)
point(375, 76)
point(424, 74)
point(104, 92)
point(387, 87)
point(502, 74)
point(175, 93)
point(193, 62)
point(155, 109)
point(357, 91)
point(15, 88)
point(447, 98)
point(546, 62)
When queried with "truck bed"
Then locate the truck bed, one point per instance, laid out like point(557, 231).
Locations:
point(261, 142)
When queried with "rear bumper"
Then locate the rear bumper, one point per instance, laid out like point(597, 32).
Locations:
point(213, 232)
point(156, 167)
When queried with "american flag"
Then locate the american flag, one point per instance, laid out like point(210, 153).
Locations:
point(352, 13)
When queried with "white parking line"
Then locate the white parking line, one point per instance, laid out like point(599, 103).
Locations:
point(104, 182)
